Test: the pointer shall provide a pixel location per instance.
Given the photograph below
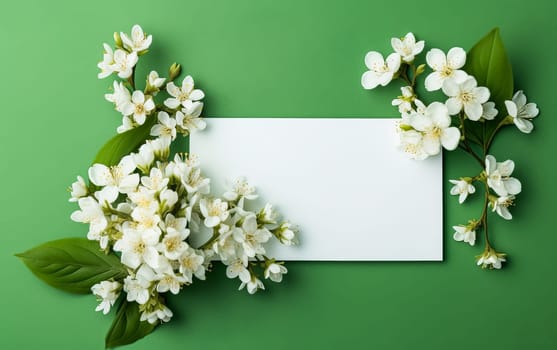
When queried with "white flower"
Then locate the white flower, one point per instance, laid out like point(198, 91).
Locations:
point(106, 64)
point(78, 190)
point(465, 233)
point(521, 112)
point(238, 269)
point(184, 95)
point(144, 199)
point(124, 63)
point(160, 146)
point(404, 102)
point(175, 225)
point(445, 67)
point(275, 271)
point(91, 213)
point(462, 188)
point(435, 125)
point(108, 293)
point(489, 112)
point(137, 289)
point(139, 107)
point(491, 259)
point(267, 215)
point(411, 142)
point(286, 233)
point(154, 81)
point(119, 175)
point(251, 237)
point(138, 41)
point(498, 176)
point(169, 281)
point(465, 95)
point(191, 263)
point(156, 181)
point(173, 245)
point(407, 48)
point(120, 97)
point(138, 246)
point(501, 206)
point(253, 285)
point(166, 127)
point(188, 119)
point(240, 189)
point(214, 211)
point(380, 71)
point(160, 314)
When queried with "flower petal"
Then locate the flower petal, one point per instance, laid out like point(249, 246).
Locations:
point(456, 58)
point(434, 81)
point(373, 60)
point(450, 138)
point(436, 59)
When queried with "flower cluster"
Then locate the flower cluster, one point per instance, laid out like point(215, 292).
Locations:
point(156, 211)
point(424, 130)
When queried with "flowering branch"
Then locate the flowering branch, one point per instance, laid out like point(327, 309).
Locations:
point(465, 115)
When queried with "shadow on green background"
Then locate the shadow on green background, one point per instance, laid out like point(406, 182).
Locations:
point(271, 58)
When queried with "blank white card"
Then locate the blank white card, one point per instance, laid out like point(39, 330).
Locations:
point(343, 182)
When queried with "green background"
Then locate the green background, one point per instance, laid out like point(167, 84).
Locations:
point(276, 58)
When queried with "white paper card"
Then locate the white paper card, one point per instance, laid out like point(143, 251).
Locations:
point(352, 193)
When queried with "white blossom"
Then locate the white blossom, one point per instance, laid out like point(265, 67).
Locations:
point(124, 63)
point(435, 126)
point(466, 96)
point(491, 259)
point(137, 247)
point(501, 206)
point(121, 176)
point(407, 47)
point(78, 190)
point(107, 292)
point(154, 81)
point(120, 97)
point(404, 101)
point(106, 64)
point(499, 176)
point(183, 95)
point(521, 112)
point(465, 233)
point(188, 120)
point(445, 67)
point(462, 188)
point(381, 71)
point(214, 210)
point(138, 41)
point(160, 314)
point(139, 107)
point(275, 271)
point(251, 237)
point(253, 285)
point(166, 127)
point(240, 189)
point(191, 263)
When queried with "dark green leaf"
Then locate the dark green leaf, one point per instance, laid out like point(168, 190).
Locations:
point(124, 144)
point(488, 62)
point(73, 264)
point(126, 327)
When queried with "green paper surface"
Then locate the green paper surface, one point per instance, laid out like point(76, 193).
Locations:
point(276, 58)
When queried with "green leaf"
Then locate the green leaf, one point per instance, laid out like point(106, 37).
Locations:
point(124, 144)
point(126, 327)
point(488, 62)
point(73, 264)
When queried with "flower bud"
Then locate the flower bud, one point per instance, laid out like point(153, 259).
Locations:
point(174, 71)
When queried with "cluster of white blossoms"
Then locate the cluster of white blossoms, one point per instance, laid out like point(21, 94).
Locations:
point(424, 130)
point(157, 212)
